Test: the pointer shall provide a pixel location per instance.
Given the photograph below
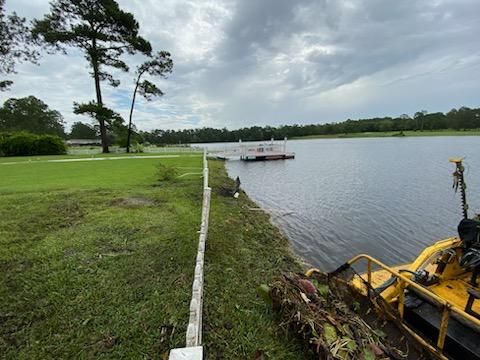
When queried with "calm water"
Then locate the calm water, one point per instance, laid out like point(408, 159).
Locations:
point(388, 197)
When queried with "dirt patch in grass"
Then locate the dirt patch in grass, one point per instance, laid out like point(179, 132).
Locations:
point(16, 265)
point(68, 210)
point(133, 202)
point(107, 343)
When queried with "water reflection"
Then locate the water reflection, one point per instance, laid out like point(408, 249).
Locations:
point(388, 197)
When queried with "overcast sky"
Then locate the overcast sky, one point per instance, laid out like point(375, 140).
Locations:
point(270, 62)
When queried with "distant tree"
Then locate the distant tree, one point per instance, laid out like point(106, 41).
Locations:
point(160, 65)
point(404, 122)
point(386, 125)
point(32, 115)
point(82, 131)
point(103, 32)
point(466, 118)
point(15, 44)
point(434, 121)
point(453, 119)
point(420, 118)
point(463, 118)
point(118, 133)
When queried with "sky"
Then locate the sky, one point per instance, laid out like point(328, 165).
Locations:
point(241, 63)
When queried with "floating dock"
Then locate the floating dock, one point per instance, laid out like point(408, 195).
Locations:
point(272, 150)
point(263, 157)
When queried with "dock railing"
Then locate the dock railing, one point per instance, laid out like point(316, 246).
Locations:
point(244, 150)
point(193, 349)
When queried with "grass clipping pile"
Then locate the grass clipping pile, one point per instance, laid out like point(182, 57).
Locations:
point(336, 321)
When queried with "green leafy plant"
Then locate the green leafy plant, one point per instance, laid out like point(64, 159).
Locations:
point(166, 172)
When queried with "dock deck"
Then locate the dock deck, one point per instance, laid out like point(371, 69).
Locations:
point(255, 152)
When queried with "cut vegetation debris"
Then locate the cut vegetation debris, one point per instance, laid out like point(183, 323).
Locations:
point(337, 322)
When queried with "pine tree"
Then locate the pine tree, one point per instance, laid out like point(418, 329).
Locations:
point(15, 44)
point(103, 32)
point(160, 65)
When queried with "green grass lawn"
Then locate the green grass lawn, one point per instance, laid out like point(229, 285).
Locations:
point(97, 259)
point(43, 158)
point(38, 175)
point(395, 133)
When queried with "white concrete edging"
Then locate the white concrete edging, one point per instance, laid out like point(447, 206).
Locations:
point(193, 349)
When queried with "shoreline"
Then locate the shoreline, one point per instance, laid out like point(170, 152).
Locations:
point(244, 250)
point(304, 263)
point(394, 134)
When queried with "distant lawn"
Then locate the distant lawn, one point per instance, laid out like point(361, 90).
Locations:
point(395, 134)
point(36, 174)
point(93, 156)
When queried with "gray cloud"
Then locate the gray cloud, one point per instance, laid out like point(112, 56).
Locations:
point(245, 62)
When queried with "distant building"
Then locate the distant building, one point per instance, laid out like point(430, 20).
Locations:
point(84, 142)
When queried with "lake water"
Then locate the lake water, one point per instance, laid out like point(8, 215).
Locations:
point(388, 197)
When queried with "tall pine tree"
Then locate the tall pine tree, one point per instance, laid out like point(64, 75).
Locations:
point(103, 32)
point(160, 65)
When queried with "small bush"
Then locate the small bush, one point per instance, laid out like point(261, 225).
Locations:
point(50, 145)
point(18, 144)
point(166, 172)
point(137, 148)
point(24, 144)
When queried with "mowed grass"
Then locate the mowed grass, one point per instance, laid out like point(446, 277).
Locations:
point(97, 261)
point(96, 258)
point(36, 174)
point(44, 158)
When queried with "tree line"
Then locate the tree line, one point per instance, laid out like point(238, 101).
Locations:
point(463, 118)
point(33, 115)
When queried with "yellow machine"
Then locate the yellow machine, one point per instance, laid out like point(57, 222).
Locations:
point(437, 296)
